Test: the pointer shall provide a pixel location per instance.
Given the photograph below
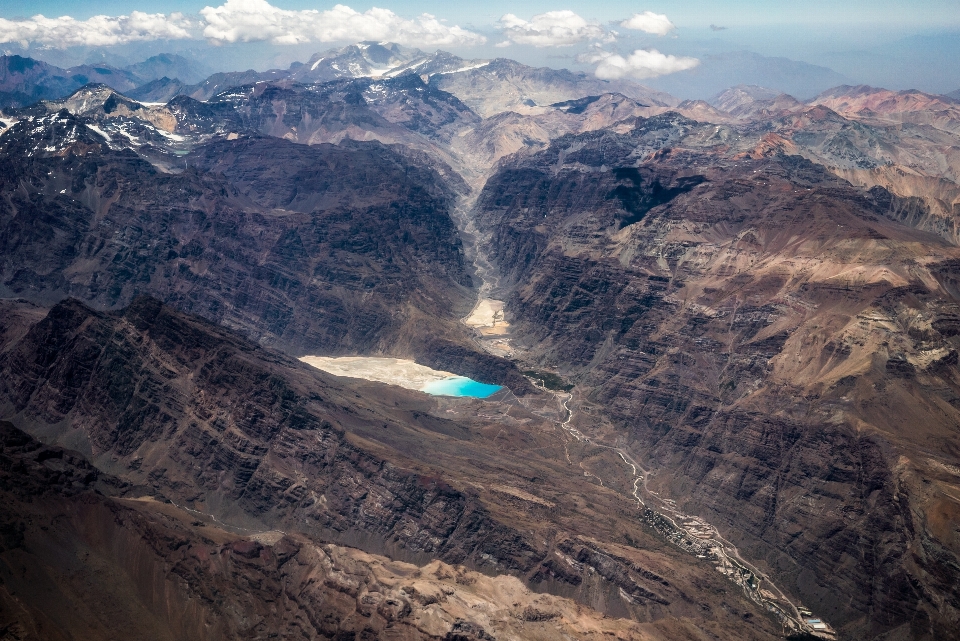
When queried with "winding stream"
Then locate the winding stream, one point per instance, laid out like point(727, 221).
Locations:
point(688, 533)
point(696, 536)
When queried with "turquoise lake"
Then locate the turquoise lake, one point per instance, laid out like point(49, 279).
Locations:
point(461, 386)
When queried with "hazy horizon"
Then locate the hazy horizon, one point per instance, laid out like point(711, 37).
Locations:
point(699, 46)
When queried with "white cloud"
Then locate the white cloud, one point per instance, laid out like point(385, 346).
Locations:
point(649, 22)
point(642, 63)
point(550, 29)
point(254, 20)
point(98, 31)
point(240, 21)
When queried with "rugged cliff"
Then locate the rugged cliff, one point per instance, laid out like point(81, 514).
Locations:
point(776, 348)
point(317, 249)
point(185, 411)
point(752, 340)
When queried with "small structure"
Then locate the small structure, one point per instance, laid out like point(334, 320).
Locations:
point(820, 629)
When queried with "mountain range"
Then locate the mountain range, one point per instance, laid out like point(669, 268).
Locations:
point(23, 81)
point(727, 350)
point(717, 72)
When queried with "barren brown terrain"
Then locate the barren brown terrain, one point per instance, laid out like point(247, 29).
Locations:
point(765, 339)
point(727, 334)
point(193, 416)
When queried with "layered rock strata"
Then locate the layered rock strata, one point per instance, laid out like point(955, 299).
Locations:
point(184, 411)
point(768, 339)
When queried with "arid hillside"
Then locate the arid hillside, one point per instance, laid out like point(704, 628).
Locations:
point(231, 468)
point(767, 340)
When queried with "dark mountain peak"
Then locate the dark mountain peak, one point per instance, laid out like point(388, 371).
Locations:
point(666, 120)
point(406, 81)
point(577, 105)
point(18, 64)
point(160, 90)
point(59, 133)
point(142, 311)
point(165, 58)
point(611, 107)
point(181, 99)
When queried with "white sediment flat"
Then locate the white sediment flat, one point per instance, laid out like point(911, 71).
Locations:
point(393, 371)
point(482, 314)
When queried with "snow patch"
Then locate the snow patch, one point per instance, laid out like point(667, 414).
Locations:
point(5, 125)
point(470, 68)
point(398, 70)
point(167, 134)
point(99, 131)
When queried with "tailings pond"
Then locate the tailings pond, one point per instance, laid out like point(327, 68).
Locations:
point(403, 373)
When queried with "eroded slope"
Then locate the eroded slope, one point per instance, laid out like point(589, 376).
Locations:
point(776, 348)
point(182, 409)
point(287, 242)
